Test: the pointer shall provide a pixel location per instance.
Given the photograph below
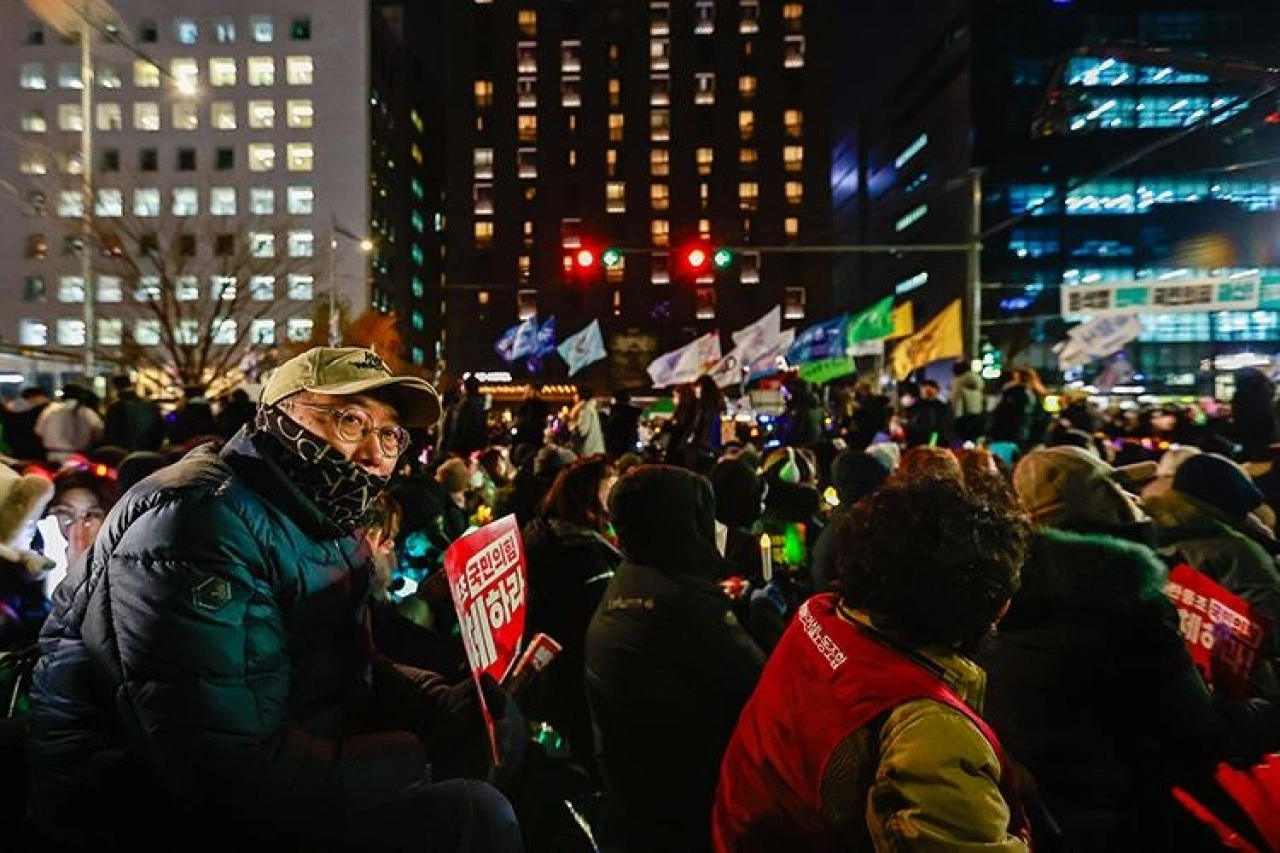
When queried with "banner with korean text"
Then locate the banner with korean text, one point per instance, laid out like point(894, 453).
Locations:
point(1161, 297)
point(1222, 630)
point(486, 572)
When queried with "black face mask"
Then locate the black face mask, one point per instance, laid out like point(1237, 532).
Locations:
point(342, 489)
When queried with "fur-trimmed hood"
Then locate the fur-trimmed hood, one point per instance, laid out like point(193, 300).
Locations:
point(1087, 571)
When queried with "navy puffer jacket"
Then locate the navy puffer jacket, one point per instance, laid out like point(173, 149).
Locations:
point(203, 662)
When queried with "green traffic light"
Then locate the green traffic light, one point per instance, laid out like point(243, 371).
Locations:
point(611, 258)
point(722, 258)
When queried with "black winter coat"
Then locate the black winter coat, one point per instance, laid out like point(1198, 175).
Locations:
point(569, 568)
point(202, 666)
point(669, 668)
point(1091, 687)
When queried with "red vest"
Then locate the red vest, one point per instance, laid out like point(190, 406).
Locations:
point(825, 680)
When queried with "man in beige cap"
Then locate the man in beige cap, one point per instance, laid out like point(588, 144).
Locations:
point(207, 665)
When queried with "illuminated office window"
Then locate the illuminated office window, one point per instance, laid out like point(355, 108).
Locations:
point(704, 88)
point(484, 93)
point(659, 162)
point(705, 159)
point(615, 197)
point(660, 196)
point(222, 72)
point(793, 158)
point(299, 70)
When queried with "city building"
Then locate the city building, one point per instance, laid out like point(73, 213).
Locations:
point(647, 126)
point(1078, 114)
point(231, 171)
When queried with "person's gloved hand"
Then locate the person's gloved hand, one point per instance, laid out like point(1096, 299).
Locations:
point(771, 595)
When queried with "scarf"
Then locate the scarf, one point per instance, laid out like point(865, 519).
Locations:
point(342, 490)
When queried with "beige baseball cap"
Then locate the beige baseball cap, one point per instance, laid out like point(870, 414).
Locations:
point(345, 371)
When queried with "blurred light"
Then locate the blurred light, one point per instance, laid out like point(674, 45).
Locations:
point(585, 258)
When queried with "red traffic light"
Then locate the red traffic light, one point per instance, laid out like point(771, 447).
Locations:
point(585, 258)
point(696, 258)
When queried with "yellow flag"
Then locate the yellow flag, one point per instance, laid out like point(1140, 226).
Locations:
point(942, 337)
point(904, 321)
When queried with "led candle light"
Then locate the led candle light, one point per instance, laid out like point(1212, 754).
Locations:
point(766, 557)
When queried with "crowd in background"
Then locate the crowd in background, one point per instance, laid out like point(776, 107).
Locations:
point(1010, 545)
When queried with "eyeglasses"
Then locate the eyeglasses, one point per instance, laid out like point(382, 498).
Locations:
point(354, 424)
point(68, 516)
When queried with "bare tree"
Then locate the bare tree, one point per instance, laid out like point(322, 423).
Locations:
point(202, 282)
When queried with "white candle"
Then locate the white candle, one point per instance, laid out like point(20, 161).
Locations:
point(766, 557)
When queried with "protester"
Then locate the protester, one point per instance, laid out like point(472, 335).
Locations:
point(1253, 413)
point(929, 419)
point(132, 422)
point(570, 562)
point(237, 411)
point(81, 500)
point(739, 494)
point(968, 402)
point(668, 666)
point(1019, 418)
point(854, 475)
point(531, 418)
point(1090, 683)
point(1206, 521)
point(193, 420)
point(69, 426)
point(586, 433)
point(465, 430)
point(622, 430)
point(208, 665)
point(20, 418)
point(864, 732)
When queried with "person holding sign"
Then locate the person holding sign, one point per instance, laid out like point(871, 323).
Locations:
point(207, 668)
point(1090, 684)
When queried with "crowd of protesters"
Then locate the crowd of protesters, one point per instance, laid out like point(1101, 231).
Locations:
point(938, 618)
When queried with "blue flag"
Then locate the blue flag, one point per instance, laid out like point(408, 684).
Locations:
point(519, 341)
point(546, 340)
point(821, 341)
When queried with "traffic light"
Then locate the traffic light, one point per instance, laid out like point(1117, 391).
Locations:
point(696, 258)
point(584, 259)
point(611, 258)
point(722, 258)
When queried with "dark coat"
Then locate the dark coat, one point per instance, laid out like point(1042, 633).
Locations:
point(569, 568)
point(466, 431)
point(669, 667)
point(1017, 417)
point(205, 659)
point(1091, 687)
point(622, 429)
point(133, 423)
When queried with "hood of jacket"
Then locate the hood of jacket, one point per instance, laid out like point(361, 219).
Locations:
point(1178, 517)
point(1084, 571)
point(665, 518)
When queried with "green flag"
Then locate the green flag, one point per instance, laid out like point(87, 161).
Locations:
point(827, 370)
point(874, 324)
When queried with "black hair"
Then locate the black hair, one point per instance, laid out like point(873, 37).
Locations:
point(931, 560)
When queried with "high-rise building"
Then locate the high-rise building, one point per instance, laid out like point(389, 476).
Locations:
point(1117, 144)
point(648, 126)
point(231, 148)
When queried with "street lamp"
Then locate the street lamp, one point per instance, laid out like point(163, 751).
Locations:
point(83, 18)
point(366, 246)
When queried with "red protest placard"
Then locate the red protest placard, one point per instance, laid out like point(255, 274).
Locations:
point(1222, 630)
point(486, 572)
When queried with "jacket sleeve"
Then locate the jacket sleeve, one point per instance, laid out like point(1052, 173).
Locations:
point(206, 673)
point(719, 651)
point(937, 786)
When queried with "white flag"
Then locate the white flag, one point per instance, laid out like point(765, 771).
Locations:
point(759, 337)
point(687, 363)
point(582, 348)
point(728, 370)
point(1103, 336)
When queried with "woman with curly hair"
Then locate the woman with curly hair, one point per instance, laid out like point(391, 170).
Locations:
point(887, 749)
